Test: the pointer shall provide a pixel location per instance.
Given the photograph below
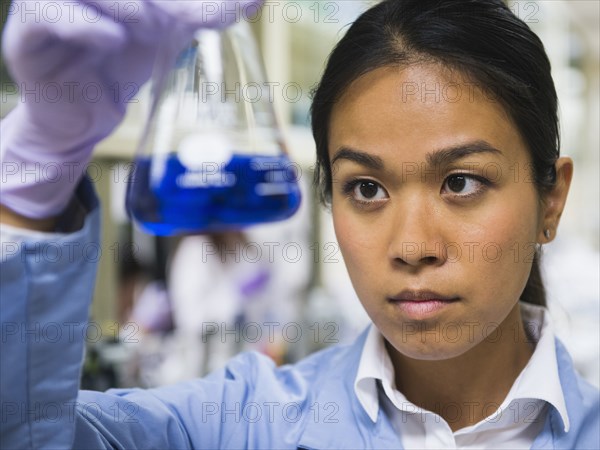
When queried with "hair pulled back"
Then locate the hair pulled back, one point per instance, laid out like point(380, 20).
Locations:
point(484, 41)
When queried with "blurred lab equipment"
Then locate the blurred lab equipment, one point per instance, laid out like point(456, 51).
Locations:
point(225, 298)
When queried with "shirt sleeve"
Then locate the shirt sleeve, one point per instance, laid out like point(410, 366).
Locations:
point(46, 284)
point(46, 288)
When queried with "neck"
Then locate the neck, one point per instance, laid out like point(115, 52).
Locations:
point(473, 381)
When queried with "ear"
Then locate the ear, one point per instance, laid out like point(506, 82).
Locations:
point(554, 201)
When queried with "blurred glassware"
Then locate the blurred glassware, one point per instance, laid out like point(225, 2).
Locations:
point(212, 156)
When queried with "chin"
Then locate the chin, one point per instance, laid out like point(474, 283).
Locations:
point(430, 351)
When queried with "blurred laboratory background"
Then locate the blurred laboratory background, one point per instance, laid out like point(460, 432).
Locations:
point(168, 309)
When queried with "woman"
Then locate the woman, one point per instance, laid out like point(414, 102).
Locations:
point(437, 139)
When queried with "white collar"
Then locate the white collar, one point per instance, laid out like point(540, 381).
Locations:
point(539, 379)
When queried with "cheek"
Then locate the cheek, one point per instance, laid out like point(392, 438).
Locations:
point(505, 245)
point(514, 225)
point(359, 247)
point(346, 233)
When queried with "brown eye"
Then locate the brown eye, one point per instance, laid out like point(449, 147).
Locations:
point(368, 189)
point(457, 183)
point(463, 186)
point(365, 191)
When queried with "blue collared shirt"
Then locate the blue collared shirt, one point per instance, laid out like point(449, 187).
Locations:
point(512, 425)
point(45, 294)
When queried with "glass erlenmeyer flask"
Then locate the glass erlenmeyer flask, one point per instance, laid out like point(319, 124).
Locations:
point(212, 155)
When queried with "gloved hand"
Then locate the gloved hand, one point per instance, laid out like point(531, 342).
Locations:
point(77, 65)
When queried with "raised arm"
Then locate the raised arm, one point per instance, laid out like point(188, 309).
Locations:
point(50, 216)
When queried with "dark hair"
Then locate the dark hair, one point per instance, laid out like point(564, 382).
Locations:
point(483, 40)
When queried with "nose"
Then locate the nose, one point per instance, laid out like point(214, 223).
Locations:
point(415, 237)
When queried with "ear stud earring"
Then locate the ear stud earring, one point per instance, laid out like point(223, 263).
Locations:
point(547, 233)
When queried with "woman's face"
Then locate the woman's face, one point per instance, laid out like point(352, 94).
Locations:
point(433, 207)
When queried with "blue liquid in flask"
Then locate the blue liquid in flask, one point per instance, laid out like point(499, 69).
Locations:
point(248, 190)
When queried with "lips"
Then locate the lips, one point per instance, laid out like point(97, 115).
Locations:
point(421, 296)
point(419, 304)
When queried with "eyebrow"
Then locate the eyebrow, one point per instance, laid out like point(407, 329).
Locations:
point(362, 158)
point(445, 156)
point(438, 158)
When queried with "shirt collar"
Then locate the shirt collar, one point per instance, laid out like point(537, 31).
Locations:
point(375, 364)
point(538, 380)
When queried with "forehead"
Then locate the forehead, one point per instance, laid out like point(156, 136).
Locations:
point(416, 109)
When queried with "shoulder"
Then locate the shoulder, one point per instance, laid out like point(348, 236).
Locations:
point(255, 368)
point(276, 404)
point(583, 404)
point(573, 383)
point(257, 378)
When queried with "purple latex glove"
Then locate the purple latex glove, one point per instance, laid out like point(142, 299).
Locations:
point(77, 64)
